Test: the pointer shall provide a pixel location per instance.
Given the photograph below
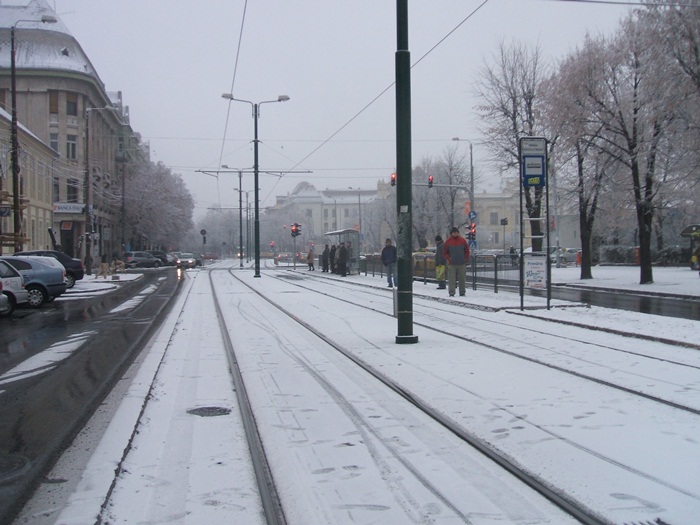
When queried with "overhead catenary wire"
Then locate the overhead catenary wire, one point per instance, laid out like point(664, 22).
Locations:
point(228, 111)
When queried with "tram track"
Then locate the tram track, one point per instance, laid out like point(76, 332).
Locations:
point(436, 313)
point(343, 426)
point(569, 505)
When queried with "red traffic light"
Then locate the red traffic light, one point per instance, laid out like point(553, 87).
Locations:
point(430, 181)
point(393, 179)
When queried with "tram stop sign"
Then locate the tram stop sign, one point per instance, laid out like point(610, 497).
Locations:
point(533, 161)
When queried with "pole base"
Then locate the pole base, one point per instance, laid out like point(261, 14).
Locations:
point(406, 339)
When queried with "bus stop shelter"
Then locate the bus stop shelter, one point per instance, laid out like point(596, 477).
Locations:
point(351, 238)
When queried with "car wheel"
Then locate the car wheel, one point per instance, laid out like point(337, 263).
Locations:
point(37, 296)
point(10, 307)
point(70, 280)
point(156, 264)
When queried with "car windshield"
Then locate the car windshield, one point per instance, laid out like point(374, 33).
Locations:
point(186, 256)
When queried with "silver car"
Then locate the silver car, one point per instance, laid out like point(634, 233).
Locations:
point(12, 288)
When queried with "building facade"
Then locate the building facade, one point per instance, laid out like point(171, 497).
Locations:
point(61, 99)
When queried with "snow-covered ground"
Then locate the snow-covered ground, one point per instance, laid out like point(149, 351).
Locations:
point(179, 468)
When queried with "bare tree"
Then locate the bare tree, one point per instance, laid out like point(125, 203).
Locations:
point(158, 206)
point(568, 111)
point(509, 90)
point(633, 108)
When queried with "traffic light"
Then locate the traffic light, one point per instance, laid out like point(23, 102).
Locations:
point(430, 181)
point(298, 229)
point(295, 231)
point(472, 231)
point(393, 179)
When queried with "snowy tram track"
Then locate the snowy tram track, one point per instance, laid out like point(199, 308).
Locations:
point(271, 505)
point(371, 432)
point(606, 433)
point(586, 355)
point(360, 450)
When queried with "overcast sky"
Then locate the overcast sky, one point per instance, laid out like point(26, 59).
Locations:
point(172, 60)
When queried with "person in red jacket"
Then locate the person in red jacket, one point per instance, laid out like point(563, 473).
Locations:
point(456, 251)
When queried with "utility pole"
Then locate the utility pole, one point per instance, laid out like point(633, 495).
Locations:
point(404, 299)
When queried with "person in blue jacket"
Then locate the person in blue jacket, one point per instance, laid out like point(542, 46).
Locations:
point(389, 258)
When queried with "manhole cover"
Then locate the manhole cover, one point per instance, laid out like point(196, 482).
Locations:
point(209, 411)
point(12, 466)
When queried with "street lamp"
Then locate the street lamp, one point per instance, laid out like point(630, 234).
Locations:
point(359, 216)
point(87, 182)
point(471, 171)
point(256, 114)
point(240, 214)
point(17, 215)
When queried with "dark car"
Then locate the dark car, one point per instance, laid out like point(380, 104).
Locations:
point(75, 270)
point(44, 280)
point(141, 260)
point(164, 259)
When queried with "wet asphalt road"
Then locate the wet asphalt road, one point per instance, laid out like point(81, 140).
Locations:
point(42, 412)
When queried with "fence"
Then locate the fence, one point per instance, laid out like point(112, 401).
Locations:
point(489, 271)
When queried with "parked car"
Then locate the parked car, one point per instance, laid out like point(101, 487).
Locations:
point(165, 260)
point(75, 270)
point(43, 279)
point(566, 255)
point(12, 287)
point(4, 304)
point(186, 260)
point(141, 260)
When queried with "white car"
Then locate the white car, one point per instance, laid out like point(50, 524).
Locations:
point(4, 303)
point(12, 288)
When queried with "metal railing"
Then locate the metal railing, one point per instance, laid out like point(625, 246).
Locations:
point(490, 271)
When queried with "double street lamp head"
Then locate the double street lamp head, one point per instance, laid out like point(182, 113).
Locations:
point(229, 96)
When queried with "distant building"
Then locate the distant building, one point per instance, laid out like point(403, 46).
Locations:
point(322, 211)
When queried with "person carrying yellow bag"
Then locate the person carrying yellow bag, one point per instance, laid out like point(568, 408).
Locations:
point(439, 263)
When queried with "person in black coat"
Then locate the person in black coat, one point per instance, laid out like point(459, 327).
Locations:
point(331, 259)
point(389, 258)
point(342, 260)
point(325, 257)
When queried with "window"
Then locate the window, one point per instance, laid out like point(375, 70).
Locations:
point(72, 147)
point(493, 218)
point(53, 141)
point(325, 213)
point(53, 102)
point(56, 193)
point(72, 104)
point(72, 190)
point(2, 101)
point(347, 213)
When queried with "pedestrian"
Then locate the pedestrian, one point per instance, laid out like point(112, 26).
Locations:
point(104, 267)
point(696, 254)
point(456, 252)
point(440, 262)
point(349, 265)
point(310, 259)
point(325, 255)
point(389, 258)
point(342, 260)
point(331, 259)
